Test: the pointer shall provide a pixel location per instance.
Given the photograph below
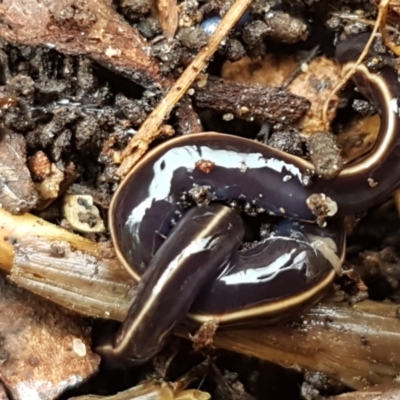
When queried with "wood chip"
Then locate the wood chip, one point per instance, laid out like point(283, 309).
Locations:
point(32, 332)
point(17, 191)
point(168, 17)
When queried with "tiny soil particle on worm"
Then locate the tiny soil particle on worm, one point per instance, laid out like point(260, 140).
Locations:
point(205, 166)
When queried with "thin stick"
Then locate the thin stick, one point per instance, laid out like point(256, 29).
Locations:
point(386, 38)
point(151, 127)
point(350, 72)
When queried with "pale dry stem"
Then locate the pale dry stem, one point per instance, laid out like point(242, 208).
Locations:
point(151, 127)
point(384, 31)
point(381, 17)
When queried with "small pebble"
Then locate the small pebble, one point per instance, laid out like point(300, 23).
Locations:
point(209, 25)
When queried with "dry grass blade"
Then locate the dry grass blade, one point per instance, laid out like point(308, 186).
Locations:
point(380, 18)
point(151, 127)
point(384, 30)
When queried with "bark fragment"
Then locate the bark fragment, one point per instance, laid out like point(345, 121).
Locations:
point(17, 191)
point(33, 331)
point(90, 27)
point(249, 102)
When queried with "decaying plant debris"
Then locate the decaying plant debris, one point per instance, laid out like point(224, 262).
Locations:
point(86, 87)
point(270, 104)
point(17, 192)
point(31, 330)
point(324, 335)
point(152, 390)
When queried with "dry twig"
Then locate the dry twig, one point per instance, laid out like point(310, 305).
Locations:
point(381, 17)
point(151, 127)
point(384, 29)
